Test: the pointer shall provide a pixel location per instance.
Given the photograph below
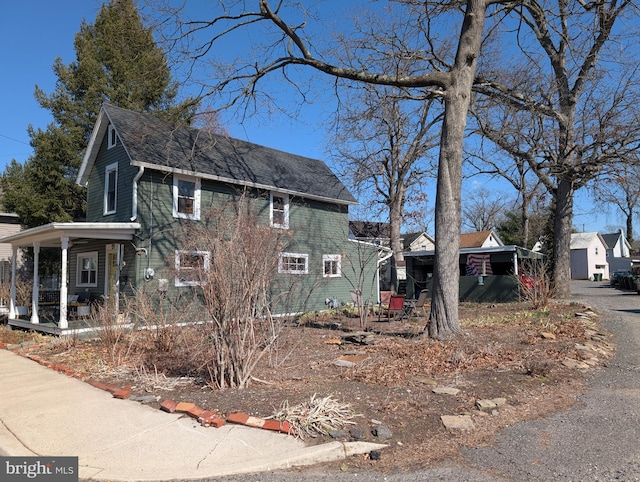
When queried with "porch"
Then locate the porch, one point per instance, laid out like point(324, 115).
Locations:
point(75, 327)
point(60, 312)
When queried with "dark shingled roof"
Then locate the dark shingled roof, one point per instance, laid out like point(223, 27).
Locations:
point(156, 143)
point(370, 229)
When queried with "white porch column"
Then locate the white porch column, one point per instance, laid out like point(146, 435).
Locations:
point(64, 323)
point(35, 319)
point(12, 301)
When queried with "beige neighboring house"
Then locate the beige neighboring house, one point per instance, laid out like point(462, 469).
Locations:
point(480, 239)
point(589, 256)
point(9, 224)
point(418, 242)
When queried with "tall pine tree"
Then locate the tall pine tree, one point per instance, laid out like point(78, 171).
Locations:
point(117, 61)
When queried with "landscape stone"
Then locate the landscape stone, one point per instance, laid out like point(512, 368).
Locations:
point(382, 432)
point(425, 380)
point(446, 390)
point(457, 422)
point(571, 363)
point(374, 455)
point(486, 405)
point(357, 433)
point(338, 434)
point(349, 360)
point(344, 363)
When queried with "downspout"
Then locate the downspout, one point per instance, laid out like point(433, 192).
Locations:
point(379, 262)
point(134, 201)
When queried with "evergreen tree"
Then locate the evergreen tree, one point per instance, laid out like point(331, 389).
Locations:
point(117, 61)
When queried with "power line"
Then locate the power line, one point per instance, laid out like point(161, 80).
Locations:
point(16, 140)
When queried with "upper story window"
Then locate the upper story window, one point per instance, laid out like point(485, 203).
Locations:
point(191, 267)
point(331, 265)
point(87, 270)
point(279, 213)
point(110, 188)
point(293, 263)
point(186, 197)
point(112, 137)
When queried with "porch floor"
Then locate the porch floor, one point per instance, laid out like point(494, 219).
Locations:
point(76, 326)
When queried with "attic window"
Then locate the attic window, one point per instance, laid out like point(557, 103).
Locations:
point(186, 197)
point(112, 137)
point(279, 211)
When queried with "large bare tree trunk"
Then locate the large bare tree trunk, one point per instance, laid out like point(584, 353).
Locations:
point(443, 320)
point(563, 224)
point(396, 214)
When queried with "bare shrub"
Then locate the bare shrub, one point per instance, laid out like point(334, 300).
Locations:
point(104, 319)
point(535, 283)
point(234, 265)
point(166, 338)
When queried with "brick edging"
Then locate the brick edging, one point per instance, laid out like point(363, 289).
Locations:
point(207, 418)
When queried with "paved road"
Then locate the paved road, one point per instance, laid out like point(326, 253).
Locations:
point(598, 439)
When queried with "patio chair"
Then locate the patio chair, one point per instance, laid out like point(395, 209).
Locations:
point(418, 304)
point(396, 307)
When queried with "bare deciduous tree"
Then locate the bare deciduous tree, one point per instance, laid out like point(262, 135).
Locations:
point(516, 138)
point(582, 109)
point(484, 210)
point(289, 44)
point(381, 143)
point(620, 187)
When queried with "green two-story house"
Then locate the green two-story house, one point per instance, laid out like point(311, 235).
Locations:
point(148, 180)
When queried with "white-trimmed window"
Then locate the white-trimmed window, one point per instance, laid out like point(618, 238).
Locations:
point(186, 197)
point(87, 271)
point(190, 267)
point(112, 137)
point(331, 265)
point(279, 212)
point(110, 188)
point(293, 263)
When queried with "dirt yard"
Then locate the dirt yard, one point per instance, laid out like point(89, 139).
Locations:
point(389, 375)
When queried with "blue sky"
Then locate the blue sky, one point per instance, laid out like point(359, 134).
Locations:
point(34, 33)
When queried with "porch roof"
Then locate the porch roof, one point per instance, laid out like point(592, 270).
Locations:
point(521, 252)
point(50, 235)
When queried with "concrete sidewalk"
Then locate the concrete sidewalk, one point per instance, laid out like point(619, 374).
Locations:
point(43, 412)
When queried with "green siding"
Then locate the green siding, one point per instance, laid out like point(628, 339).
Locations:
point(318, 229)
point(95, 187)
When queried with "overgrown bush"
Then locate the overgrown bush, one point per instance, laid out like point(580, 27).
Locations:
point(234, 278)
point(535, 283)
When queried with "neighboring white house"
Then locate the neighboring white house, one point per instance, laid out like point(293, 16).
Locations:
point(480, 239)
point(418, 242)
point(588, 256)
point(618, 251)
point(9, 224)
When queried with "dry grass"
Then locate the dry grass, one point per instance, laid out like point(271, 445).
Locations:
point(318, 416)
